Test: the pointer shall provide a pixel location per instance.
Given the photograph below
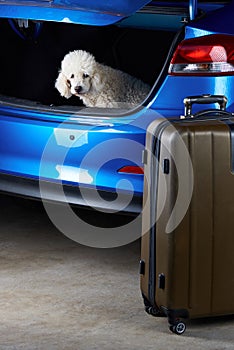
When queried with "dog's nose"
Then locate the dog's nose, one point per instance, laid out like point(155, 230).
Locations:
point(78, 89)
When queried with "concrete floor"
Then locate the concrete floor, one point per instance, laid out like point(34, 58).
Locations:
point(57, 294)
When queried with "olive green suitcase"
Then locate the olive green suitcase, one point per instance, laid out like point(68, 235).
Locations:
point(187, 249)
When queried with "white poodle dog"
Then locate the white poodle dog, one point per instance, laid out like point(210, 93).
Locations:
point(98, 85)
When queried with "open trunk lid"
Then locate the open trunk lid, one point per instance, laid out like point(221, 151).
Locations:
point(92, 12)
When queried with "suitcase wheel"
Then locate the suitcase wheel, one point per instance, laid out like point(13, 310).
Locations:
point(153, 311)
point(178, 328)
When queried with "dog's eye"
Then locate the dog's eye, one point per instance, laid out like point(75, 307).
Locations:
point(72, 76)
point(85, 75)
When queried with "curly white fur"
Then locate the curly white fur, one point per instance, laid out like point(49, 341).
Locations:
point(98, 85)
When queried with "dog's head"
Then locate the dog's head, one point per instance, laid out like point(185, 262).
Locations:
point(78, 75)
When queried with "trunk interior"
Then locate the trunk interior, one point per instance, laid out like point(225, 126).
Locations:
point(30, 65)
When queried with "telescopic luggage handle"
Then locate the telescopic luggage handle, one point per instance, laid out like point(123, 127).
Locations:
point(203, 99)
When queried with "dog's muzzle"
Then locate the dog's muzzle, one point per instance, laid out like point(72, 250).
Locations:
point(78, 89)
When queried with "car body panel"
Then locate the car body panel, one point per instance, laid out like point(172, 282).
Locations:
point(86, 148)
point(67, 151)
point(222, 85)
point(75, 11)
point(105, 13)
point(213, 22)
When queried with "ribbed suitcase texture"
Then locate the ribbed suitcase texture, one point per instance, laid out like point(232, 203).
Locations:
point(187, 252)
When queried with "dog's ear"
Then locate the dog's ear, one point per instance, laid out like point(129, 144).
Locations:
point(63, 85)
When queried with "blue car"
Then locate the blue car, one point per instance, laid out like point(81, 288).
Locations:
point(179, 48)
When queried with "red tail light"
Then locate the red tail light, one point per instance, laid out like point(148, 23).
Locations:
point(131, 169)
point(206, 55)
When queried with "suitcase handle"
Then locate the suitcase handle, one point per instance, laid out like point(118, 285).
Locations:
point(203, 99)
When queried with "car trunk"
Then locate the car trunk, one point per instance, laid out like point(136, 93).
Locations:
point(31, 56)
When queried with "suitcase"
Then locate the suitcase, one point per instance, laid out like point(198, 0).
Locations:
point(187, 243)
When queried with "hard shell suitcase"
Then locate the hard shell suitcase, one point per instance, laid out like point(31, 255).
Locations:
point(187, 245)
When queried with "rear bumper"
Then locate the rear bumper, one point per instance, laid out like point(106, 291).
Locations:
point(73, 195)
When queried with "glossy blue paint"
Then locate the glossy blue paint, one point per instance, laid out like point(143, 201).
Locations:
point(219, 22)
point(72, 11)
point(57, 147)
point(192, 9)
point(182, 86)
point(38, 147)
